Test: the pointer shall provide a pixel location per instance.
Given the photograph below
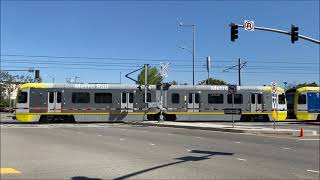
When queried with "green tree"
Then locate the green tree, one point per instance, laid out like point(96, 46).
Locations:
point(153, 76)
point(212, 82)
point(8, 83)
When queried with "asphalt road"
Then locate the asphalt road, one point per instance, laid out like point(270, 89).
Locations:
point(118, 151)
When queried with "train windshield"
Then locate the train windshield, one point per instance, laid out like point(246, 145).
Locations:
point(22, 97)
point(282, 99)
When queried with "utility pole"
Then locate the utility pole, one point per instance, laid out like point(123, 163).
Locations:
point(193, 52)
point(239, 69)
point(208, 68)
point(120, 77)
point(239, 66)
point(145, 90)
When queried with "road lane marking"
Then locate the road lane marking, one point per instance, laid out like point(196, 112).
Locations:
point(169, 134)
point(122, 139)
point(309, 139)
point(188, 150)
point(199, 137)
point(99, 135)
point(237, 142)
point(151, 144)
point(309, 170)
point(9, 171)
point(241, 159)
point(286, 148)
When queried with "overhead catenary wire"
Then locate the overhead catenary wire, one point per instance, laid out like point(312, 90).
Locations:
point(25, 61)
point(129, 69)
point(157, 60)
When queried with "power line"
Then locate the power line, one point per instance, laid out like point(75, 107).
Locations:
point(133, 64)
point(129, 69)
point(258, 61)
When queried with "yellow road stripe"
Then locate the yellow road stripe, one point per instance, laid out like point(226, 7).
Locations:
point(9, 171)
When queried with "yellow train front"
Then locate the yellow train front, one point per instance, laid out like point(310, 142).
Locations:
point(304, 103)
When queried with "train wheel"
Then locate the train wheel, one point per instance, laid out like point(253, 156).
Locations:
point(43, 119)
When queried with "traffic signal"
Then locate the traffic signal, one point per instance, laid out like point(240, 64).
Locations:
point(37, 74)
point(234, 32)
point(294, 33)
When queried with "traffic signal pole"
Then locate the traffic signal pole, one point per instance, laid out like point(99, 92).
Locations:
point(282, 32)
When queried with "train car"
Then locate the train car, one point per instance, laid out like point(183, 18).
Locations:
point(304, 103)
point(208, 103)
point(50, 102)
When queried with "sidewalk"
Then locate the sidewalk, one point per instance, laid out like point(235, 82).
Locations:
point(227, 128)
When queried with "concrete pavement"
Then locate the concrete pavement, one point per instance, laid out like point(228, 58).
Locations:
point(228, 127)
point(119, 151)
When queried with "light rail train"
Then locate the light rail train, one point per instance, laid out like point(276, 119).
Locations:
point(304, 103)
point(54, 102)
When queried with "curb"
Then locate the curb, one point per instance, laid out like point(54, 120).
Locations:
point(313, 123)
point(234, 130)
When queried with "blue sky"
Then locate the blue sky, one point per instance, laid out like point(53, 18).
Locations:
point(125, 33)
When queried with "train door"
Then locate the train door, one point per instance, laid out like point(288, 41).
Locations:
point(302, 102)
point(127, 102)
point(256, 102)
point(54, 101)
point(193, 102)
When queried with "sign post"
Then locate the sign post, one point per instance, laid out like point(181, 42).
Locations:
point(274, 102)
point(164, 68)
point(232, 89)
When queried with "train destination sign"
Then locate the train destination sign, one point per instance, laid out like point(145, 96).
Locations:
point(232, 111)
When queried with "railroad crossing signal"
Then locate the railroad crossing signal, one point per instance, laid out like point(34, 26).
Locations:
point(294, 33)
point(164, 68)
point(273, 87)
point(234, 32)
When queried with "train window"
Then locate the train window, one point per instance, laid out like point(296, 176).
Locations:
point(302, 99)
point(215, 98)
point(58, 97)
point(80, 97)
point(124, 98)
point(51, 97)
point(253, 98)
point(148, 97)
point(131, 97)
point(238, 99)
point(175, 98)
point(190, 98)
point(197, 98)
point(281, 99)
point(22, 97)
point(102, 97)
point(259, 98)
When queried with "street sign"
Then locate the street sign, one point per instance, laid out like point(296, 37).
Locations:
point(248, 25)
point(232, 89)
point(273, 87)
point(232, 111)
